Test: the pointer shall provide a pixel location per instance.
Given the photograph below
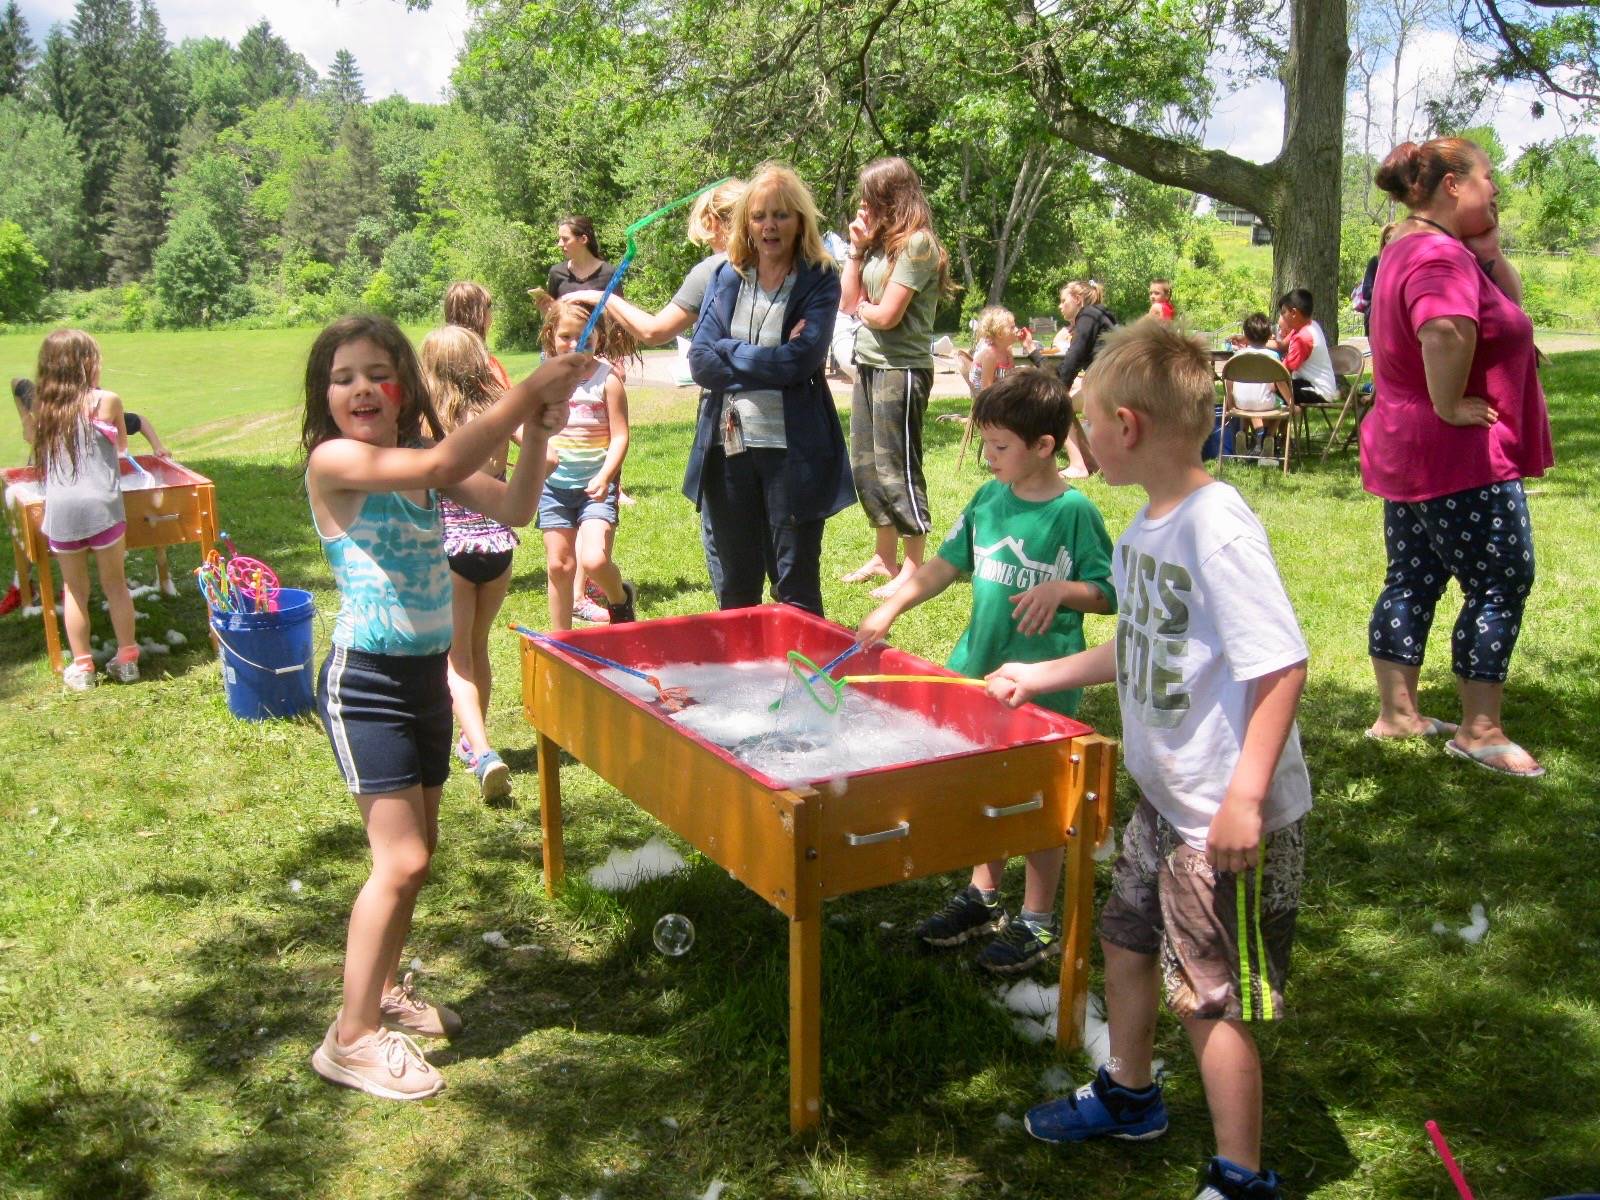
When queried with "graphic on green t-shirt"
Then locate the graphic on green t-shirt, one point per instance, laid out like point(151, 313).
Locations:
point(1008, 545)
point(907, 344)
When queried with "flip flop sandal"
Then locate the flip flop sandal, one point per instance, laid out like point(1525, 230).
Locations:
point(1436, 728)
point(1485, 756)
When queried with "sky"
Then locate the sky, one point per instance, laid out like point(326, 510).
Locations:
point(413, 54)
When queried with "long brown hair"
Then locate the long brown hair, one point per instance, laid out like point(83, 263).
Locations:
point(891, 188)
point(456, 371)
point(467, 304)
point(611, 341)
point(416, 409)
point(68, 371)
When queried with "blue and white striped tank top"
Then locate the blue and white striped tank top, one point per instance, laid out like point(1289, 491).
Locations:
point(394, 581)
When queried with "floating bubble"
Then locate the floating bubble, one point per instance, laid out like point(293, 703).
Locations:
point(674, 935)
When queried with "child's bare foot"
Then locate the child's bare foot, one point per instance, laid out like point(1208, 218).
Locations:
point(1419, 726)
point(1074, 473)
point(907, 570)
point(873, 568)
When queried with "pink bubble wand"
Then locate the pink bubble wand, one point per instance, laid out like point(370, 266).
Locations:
point(1456, 1177)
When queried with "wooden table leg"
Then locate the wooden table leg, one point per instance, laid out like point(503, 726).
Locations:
point(47, 600)
point(805, 1021)
point(1078, 923)
point(549, 756)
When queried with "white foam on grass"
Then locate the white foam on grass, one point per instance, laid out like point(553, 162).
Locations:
point(1473, 932)
point(1039, 1008)
point(174, 638)
point(714, 1190)
point(496, 939)
point(624, 869)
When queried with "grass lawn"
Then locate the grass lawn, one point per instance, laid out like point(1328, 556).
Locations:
point(162, 984)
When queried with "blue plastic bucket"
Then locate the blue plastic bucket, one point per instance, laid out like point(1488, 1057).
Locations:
point(266, 658)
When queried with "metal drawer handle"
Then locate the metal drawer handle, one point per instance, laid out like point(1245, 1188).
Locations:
point(1011, 810)
point(887, 835)
point(151, 518)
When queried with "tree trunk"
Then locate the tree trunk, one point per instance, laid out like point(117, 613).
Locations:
point(1306, 209)
point(1297, 193)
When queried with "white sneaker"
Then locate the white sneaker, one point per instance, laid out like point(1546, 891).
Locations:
point(123, 672)
point(78, 677)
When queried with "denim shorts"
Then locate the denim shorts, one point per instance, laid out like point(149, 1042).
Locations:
point(388, 718)
point(568, 508)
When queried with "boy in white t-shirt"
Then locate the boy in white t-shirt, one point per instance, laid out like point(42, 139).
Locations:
point(1256, 397)
point(1305, 350)
point(1209, 664)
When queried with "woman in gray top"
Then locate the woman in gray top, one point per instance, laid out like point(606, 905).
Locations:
point(710, 222)
point(708, 226)
point(78, 438)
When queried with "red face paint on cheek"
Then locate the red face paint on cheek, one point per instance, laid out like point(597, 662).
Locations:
point(392, 392)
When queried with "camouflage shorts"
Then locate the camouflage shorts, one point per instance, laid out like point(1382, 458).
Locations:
point(1223, 940)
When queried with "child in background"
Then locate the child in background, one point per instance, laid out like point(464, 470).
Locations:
point(78, 439)
point(996, 331)
point(1160, 300)
point(1039, 558)
point(578, 510)
point(461, 379)
point(470, 306)
point(22, 392)
point(1255, 397)
point(374, 481)
point(1305, 350)
point(1209, 664)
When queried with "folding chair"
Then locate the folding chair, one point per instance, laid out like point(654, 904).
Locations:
point(964, 365)
point(1256, 368)
point(1350, 364)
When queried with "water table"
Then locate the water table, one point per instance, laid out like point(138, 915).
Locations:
point(167, 505)
point(1038, 780)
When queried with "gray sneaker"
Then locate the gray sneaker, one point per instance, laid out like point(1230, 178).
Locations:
point(964, 916)
point(124, 672)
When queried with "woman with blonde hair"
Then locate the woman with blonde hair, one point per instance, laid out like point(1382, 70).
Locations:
point(894, 276)
point(769, 466)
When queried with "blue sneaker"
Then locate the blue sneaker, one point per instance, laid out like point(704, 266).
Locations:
point(1084, 1115)
point(1225, 1180)
point(494, 777)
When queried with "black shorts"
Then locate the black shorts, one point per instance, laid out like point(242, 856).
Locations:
point(132, 423)
point(388, 718)
point(481, 566)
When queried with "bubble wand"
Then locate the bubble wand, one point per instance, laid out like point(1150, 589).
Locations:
point(627, 256)
point(673, 699)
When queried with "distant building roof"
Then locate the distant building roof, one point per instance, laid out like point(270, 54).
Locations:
point(1233, 214)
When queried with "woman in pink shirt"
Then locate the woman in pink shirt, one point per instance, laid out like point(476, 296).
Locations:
point(1458, 424)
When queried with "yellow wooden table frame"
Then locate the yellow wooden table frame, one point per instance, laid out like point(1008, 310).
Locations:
point(798, 846)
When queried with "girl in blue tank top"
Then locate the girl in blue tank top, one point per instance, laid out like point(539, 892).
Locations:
point(376, 467)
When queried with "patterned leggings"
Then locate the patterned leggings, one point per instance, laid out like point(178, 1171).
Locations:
point(1481, 537)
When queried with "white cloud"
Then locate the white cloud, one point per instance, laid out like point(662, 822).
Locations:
point(410, 53)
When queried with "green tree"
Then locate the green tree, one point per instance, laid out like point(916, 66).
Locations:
point(155, 97)
point(363, 200)
point(212, 81)
point(215, 183)
point(102, 34)
point(316, 220)
point(54, 78)
point(137, 215)
point(41, 187)
point(17, 51)
point(194, 275)
point(271, 69)
point(343, 87)
point(1559, 208)
point(21, 274)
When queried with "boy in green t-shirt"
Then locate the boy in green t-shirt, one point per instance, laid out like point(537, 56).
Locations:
point(1039, 558)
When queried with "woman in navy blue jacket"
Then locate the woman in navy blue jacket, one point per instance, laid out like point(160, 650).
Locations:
point(769, 464)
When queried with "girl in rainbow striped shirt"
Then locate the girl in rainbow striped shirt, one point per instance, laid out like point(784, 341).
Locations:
point(578, 510)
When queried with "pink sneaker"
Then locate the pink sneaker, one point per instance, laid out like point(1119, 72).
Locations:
point(587, 610)
point(408, 1012)
point(385, 1064)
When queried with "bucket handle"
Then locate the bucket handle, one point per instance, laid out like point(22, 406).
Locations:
point(290, 670)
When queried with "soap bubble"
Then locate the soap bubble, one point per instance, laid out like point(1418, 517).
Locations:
point(674, 935)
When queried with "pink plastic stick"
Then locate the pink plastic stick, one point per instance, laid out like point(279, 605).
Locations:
point(1456, 1177)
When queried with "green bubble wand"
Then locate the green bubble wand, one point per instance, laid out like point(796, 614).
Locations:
point(627, 257)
